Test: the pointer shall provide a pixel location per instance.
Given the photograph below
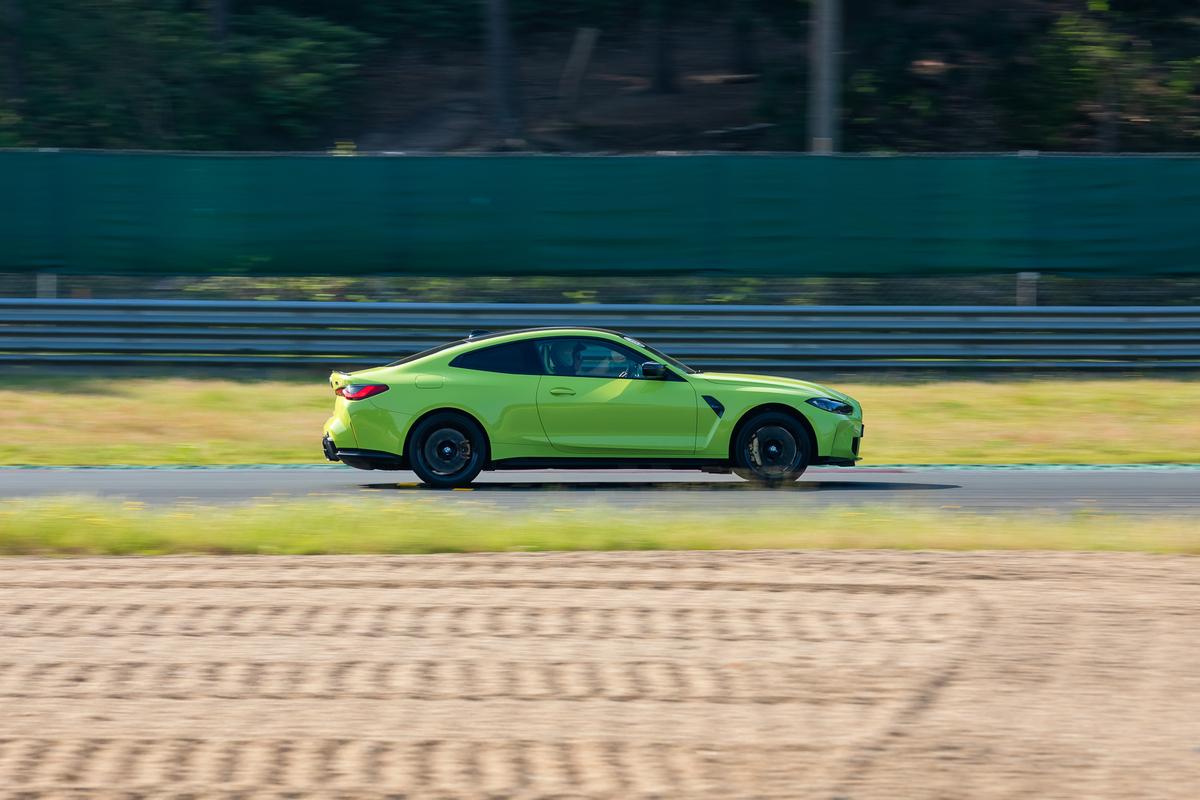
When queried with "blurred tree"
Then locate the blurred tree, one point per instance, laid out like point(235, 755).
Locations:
point(919, 75)
point(1044, 74)
point(11, 80)
point(1095, 82)
point(138, 73)
point(293, 72)
point(12, 18)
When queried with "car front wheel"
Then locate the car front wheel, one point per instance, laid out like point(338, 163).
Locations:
point(447, 450)
point(771, 449)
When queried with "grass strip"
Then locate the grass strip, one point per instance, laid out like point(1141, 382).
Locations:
point(141, 419)
point(83, 526)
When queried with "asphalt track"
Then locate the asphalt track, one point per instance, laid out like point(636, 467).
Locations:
point(1053, 490)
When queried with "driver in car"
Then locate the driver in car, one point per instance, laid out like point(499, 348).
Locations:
point(566, 357)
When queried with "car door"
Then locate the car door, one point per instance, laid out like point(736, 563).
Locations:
point(593, 400)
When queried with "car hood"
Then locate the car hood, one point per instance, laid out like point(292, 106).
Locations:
point(807, 388)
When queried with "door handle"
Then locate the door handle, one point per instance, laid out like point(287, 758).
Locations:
point(561, 390)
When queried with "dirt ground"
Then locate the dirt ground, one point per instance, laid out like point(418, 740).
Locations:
point(721, 675)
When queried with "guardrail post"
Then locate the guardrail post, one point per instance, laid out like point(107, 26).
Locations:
point(47, 285)
point(1027, 288)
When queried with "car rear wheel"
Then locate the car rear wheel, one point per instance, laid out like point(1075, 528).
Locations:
point(447, 450)
point(771, 449)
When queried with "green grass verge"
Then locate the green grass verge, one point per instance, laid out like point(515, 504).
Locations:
point(84, 526)
point(141, 418)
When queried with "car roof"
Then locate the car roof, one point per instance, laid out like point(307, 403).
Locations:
point(543, 330)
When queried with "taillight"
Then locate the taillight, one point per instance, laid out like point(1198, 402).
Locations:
point(360, 391)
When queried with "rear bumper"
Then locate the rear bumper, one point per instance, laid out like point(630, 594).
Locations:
point(361, 459)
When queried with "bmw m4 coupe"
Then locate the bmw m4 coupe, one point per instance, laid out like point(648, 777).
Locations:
point(582, 398)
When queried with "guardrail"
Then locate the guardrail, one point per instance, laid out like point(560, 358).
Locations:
point(769, 338)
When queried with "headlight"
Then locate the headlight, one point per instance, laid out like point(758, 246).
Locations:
point(830, 405)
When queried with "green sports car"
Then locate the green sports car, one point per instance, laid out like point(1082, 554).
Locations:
point(580, 398)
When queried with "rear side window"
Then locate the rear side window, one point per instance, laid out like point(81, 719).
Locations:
point(512, 358)
point(425, 353)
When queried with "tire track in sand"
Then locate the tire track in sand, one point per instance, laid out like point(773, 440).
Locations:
point(631, 676)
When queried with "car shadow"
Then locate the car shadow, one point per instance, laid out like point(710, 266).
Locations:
point(668, 486)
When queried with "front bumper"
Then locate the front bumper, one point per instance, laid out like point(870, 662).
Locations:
point(844, 445)
point(833, 461)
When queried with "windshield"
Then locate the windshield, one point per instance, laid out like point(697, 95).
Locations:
point(663, 357)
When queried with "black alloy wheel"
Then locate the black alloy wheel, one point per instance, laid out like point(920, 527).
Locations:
point(772, 449)
point(447, 450)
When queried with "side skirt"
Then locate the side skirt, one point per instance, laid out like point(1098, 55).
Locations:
point(705, 464)
point(378, 459)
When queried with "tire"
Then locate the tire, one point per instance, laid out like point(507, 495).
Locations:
point(447, 450)
point(771, 449)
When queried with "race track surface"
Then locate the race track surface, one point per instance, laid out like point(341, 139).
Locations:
point(1166, 491)
point(717, 675)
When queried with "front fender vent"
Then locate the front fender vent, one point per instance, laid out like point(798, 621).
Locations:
point(714, 404)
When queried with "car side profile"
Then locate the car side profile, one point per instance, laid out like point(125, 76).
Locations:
point(581, 398)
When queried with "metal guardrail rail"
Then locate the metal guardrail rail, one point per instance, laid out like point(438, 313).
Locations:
point(768, 338)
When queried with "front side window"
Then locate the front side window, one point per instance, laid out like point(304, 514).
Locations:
point(512, 358)
point(585, 357)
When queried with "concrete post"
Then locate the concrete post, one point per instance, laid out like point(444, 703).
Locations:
point(824, 88)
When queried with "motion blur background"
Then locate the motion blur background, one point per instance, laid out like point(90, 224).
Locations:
point(823, 188)
point(388, 80)
point(978, 218)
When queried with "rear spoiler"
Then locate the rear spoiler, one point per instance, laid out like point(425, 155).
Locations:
point(338, 379)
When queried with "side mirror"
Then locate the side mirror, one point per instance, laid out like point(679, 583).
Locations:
point(653, 370)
